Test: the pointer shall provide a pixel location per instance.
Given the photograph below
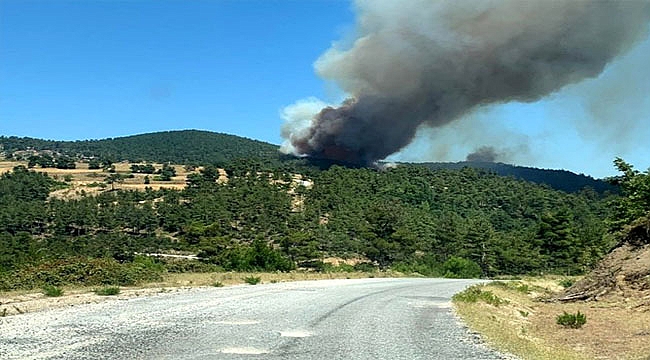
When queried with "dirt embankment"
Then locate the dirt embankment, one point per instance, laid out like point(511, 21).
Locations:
point(623, 275)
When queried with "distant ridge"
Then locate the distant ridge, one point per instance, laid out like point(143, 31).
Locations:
point(206, 147)
point(557, 179)
point(182, 146)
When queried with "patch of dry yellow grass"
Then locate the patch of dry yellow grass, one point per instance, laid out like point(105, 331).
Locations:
point(9, 165)
point(86, 180)
point(527, 327)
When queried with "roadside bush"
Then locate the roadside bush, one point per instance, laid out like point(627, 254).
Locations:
point(315, 265)
point(365, 267)
point(257, 257)
point(573, 321)
point(513, 285)
point(460, 268)
point(107, 291)
point(79, 271)
point(53, 291)
point(566, 283)
point(426, 266)
point(252, 280)
point(476, 293)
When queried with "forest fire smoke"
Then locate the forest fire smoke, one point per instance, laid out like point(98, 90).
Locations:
point(428, 63)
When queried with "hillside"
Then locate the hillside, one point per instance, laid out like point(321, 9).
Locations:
point(409, 218)
point(557, 179)
point(179, 147)
point(205, 147)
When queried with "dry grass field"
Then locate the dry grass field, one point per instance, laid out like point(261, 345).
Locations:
point(92, 181)
point(526, 326)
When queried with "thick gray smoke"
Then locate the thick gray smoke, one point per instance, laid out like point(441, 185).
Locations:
point(484, 154)
point(427, 63)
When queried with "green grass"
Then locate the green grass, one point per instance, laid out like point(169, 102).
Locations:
point(218, 284)
point(52, 291)
point(573, 321)
point(566, 283)
point(107, 291)
point(476, 293)
point(252, 280)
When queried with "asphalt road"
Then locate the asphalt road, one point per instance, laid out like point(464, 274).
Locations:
point(329, 319)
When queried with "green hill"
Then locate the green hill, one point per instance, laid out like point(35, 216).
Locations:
point(180, 147)
point(205, 147)
point(557, 179)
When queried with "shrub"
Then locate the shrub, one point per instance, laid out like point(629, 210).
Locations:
point(523, 288)
point(315, 265)
point(365, 267)
point(573, 321)
point(460, 268)
point(252, 280)
point(427, 266)
point(80, 271)
point(258, 256)
point(53, 291)
point(107, 291)
point(475, 293)
point(218, 284)
point(513, 285)
point(566, 283)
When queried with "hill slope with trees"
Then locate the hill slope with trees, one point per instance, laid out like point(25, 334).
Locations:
point(179, 147)
point(557, 179)
point(444, 222)
point(204, 147)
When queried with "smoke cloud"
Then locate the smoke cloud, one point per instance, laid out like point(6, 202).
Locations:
point(484, 154)
point(424, 63)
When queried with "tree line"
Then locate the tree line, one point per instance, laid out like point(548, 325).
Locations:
point(409, 218)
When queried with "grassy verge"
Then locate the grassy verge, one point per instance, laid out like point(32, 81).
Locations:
point(511, 318)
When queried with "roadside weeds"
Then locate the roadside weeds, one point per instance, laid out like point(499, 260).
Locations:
point(525, 326)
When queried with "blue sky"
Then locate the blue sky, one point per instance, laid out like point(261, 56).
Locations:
point(80, 69)
point(93, 69)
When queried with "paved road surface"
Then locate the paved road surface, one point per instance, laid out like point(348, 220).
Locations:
point(332, 319)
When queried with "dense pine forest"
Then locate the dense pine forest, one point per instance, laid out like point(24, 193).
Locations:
point(178, 147)
point(280, 216)
point(557, 179)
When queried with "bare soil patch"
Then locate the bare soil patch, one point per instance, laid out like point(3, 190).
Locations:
point(623, 275)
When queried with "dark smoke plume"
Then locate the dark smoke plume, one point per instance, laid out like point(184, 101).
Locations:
point(427, 63)
point(484, 154)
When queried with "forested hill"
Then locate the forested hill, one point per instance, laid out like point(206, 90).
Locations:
point(205, 147)
point(455, 223)
point(557, 179)
point(179, 147)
